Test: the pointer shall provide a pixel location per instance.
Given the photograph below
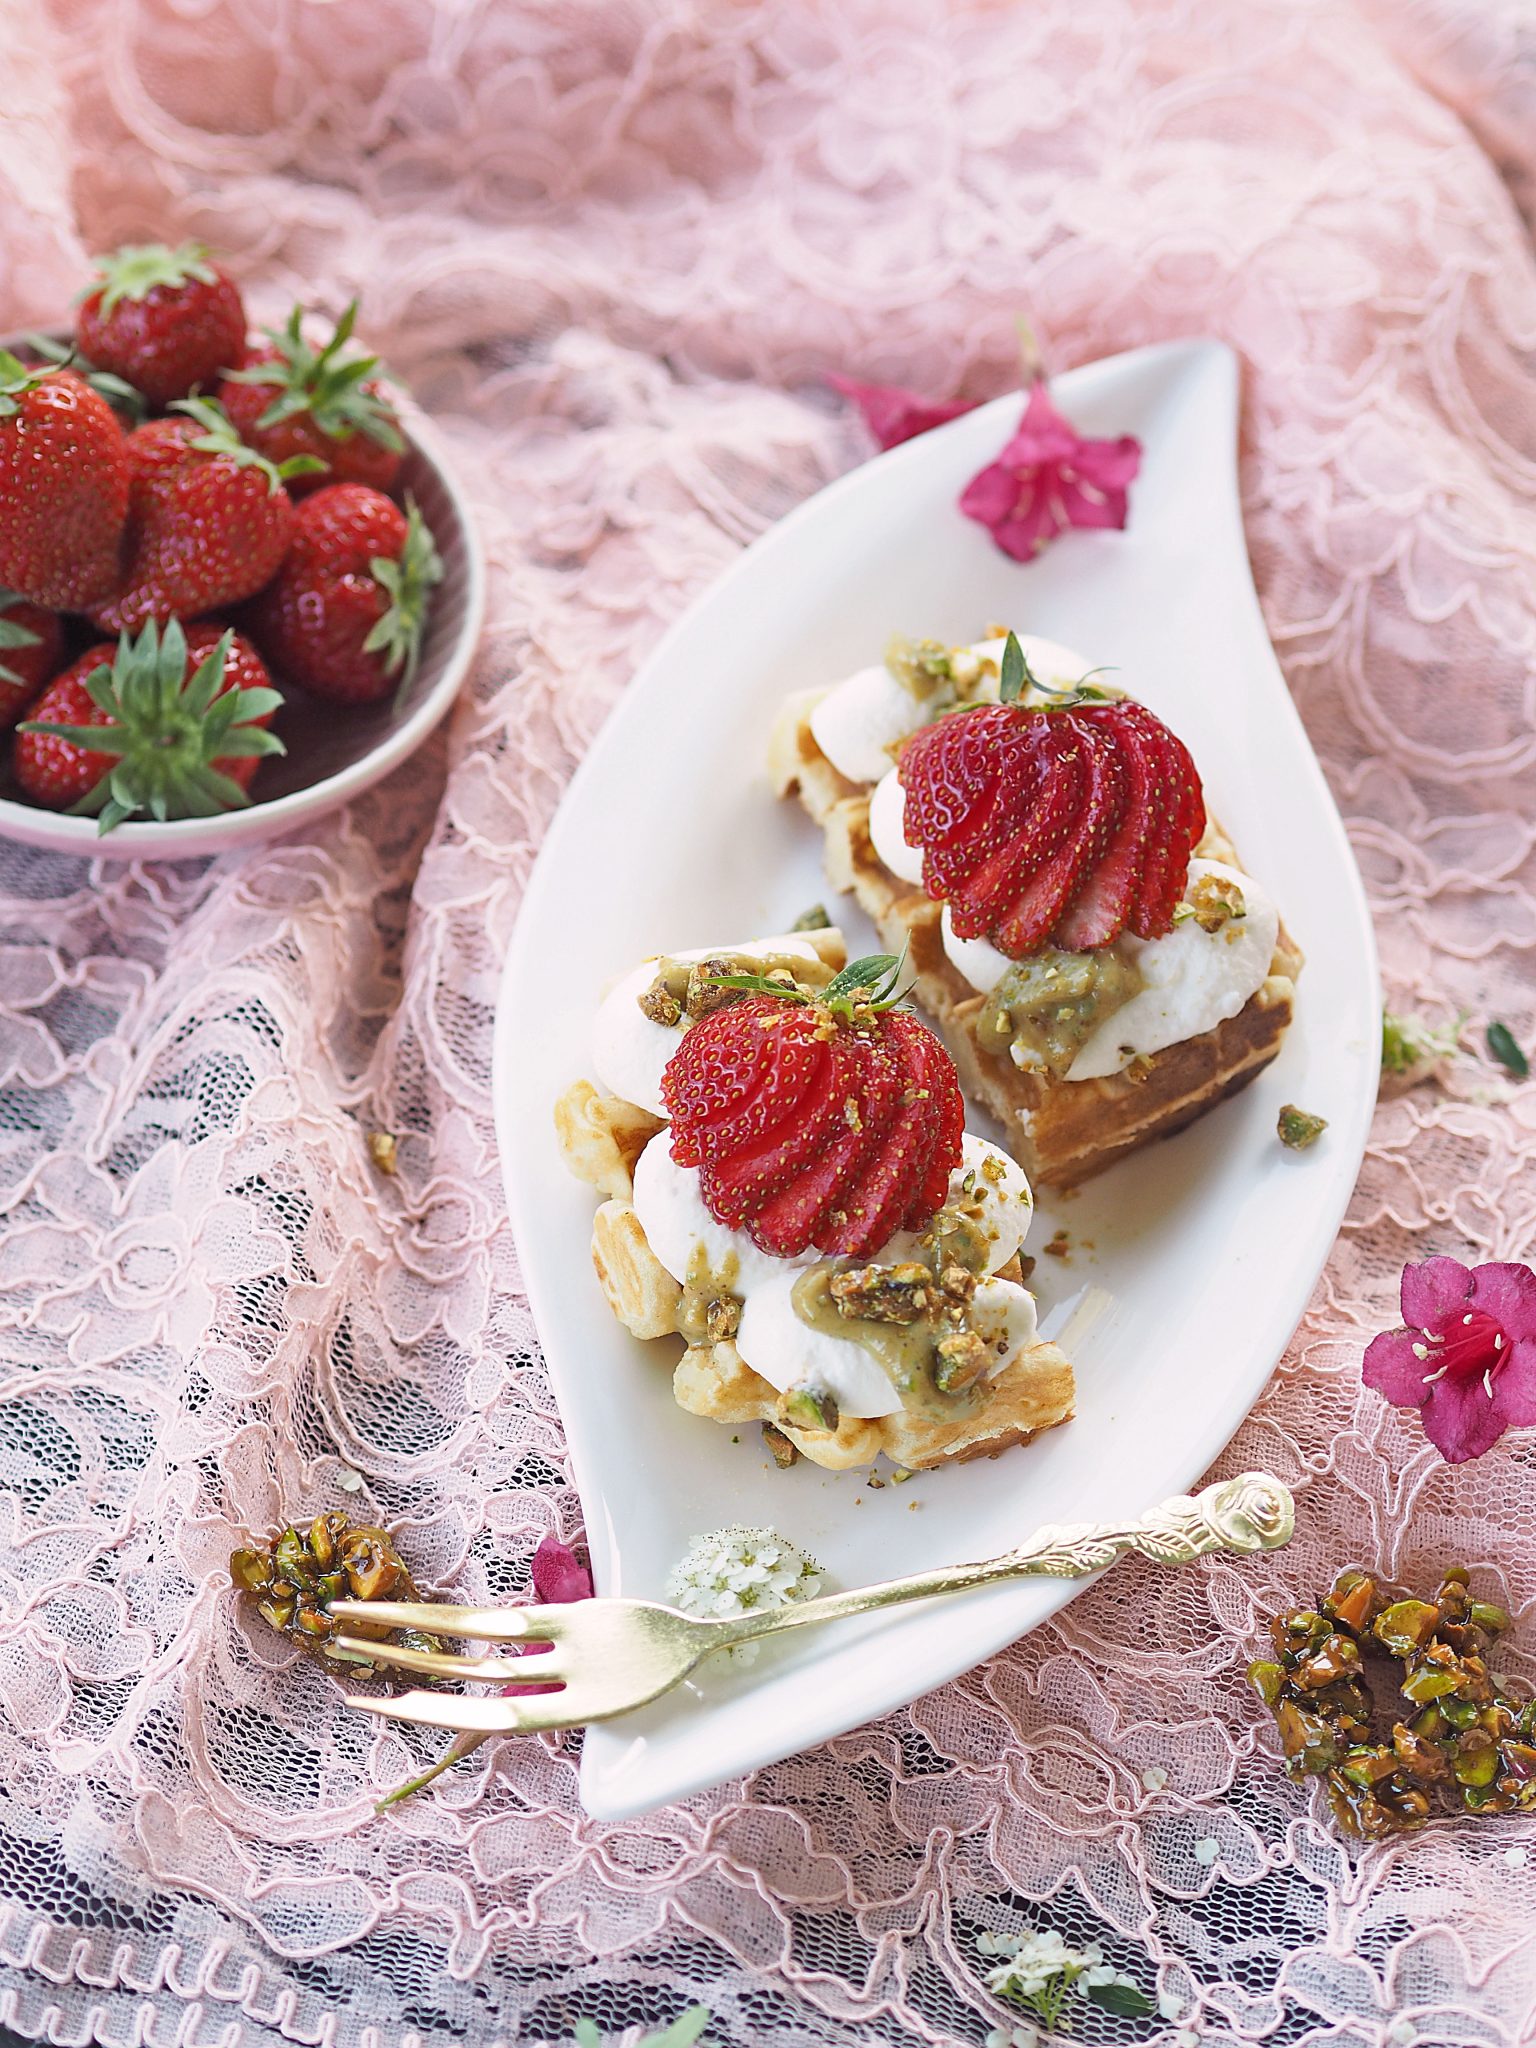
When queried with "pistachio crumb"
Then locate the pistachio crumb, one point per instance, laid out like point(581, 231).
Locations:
point(384, 1151)
point(1298, 1128)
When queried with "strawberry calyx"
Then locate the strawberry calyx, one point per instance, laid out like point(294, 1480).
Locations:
point(117, 391)
point(408, 580)
point(329, 386)
point(167, 730)
point(139, 268)
point(12, 634)
point(219, 437)
point(17, 379)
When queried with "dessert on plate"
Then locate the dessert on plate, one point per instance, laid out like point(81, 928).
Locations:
point(1037, 842)
point(791, 1191)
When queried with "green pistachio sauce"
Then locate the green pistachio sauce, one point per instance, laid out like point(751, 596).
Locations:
point(907, 1351)
point(1050, 1005)
point(710, 1309)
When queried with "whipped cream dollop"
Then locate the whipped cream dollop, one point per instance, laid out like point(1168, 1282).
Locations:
point(862, 719)
point(772, 1339)
point(630, 1050)
point(1192, 979)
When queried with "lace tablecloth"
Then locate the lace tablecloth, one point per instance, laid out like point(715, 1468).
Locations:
point(613, 246)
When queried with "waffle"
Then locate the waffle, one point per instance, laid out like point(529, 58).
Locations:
point(1061, 1132)
point(597, 1137)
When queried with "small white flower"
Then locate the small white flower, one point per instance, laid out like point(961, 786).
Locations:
point(1169, 2004)
point(1154, 1777)
point(1207, 1849)
point(1037, 1960)
point(1402, 2033)
point(1186, 2037)
point(1517, 1858)
point(349, 1481)
point(737, 1571)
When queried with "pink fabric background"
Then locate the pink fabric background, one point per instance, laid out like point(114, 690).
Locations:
point(612, 246)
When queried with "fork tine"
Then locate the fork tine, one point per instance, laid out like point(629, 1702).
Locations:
point(481, 1624)
point(471, 1713)
point(438, 1664)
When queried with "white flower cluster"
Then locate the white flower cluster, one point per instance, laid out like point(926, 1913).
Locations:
point(737, 1571)
point(1034, 1961)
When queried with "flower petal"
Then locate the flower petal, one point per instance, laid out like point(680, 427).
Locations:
point(1507, 1292)
point(1026, 533)
point(1460, 1420)
point(990, 495)
point(1108, 465)
point(558, 1575)
point(1108, 508)
point(1434, 1291)
point(1393, 1368)
point(1514, 1387)
point(893, 414)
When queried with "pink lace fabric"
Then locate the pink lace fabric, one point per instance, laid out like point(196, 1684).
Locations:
point(613, 246)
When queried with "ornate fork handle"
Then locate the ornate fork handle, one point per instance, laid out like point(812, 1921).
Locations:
point(1251, 1512)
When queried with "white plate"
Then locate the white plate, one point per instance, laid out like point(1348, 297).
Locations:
point(1209, 1244)
point(334, 753)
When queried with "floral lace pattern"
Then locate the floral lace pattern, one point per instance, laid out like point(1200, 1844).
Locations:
point(613, 247)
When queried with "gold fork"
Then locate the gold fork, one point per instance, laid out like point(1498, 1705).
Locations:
point(611, 1655)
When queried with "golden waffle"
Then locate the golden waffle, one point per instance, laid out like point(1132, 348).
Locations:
point(1061, 1132)
point(596, 1135)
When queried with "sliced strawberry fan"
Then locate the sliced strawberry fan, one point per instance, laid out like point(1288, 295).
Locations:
point(829, 1122)
point(1065, 825)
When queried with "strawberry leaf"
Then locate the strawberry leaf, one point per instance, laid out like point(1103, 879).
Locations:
point(167, 730)
point(1014, 674)
point(408, 581)
point(139, 268)
point(330, 387)
point(1506, 1049)
point(12, 635)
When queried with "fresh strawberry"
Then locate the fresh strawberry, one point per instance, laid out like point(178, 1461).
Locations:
point(31, 648)
point(831, 1121)
point(166, 320)
point(171, 724)
point(344, 614)
point(63, 487)
point(289, 398)
point(1071, 823)
point(208, 519)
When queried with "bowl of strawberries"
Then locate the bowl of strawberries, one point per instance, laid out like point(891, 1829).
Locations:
point(238, 582)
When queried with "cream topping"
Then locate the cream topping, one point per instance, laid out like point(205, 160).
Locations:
point(861, 721)
point(1192, 979)
point(630, 1050)
point(772, 1338)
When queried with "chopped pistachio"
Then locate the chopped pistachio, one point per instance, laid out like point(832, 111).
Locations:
point(810, 1408)
point(780, 1449)
point(813, 920)
point(1298, 1129)
point(384, 1151)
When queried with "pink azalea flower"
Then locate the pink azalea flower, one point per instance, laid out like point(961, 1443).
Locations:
point(1467, 1356)
point(559, 1577)
point(894, 415)
point(1049, 477)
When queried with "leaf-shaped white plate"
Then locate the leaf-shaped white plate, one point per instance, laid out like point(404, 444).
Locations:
point(1208, 1245)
